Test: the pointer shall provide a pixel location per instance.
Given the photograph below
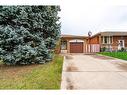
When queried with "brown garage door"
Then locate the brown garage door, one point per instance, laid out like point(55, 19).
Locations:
point(76, 47)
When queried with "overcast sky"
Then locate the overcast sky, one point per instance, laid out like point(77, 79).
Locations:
point(79, 17)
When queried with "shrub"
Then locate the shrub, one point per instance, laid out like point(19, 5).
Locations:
point(122, 50)
point(103, 49)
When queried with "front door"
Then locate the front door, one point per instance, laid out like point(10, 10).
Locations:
point(120, 44)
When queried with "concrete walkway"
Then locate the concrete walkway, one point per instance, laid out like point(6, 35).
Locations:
point(93, 72)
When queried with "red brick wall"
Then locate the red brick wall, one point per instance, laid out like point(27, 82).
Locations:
point(94, 40)
point(115, 41)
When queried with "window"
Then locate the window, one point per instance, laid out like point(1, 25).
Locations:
point(106, 39)
point(102, 39)
point(64, 45)
point(110, 39)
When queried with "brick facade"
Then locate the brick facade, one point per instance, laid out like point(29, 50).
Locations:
point(95, 40)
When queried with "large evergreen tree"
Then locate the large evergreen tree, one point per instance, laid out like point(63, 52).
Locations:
point(28, 34)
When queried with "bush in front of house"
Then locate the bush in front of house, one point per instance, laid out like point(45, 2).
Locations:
point(103, 49)
point(28, 34)
point(122, 50)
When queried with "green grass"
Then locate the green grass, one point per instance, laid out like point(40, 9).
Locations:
point(45, 76)
point(120, 55)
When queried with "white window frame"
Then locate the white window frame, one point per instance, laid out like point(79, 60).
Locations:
point(109, 38)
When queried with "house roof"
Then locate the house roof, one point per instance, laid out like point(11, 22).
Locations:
point(114, 33)
point(72, 36)
point(106, 33)
point(111, 33)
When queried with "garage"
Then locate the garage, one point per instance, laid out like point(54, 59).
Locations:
point(76, 47)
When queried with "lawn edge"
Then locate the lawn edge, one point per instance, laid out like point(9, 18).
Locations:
point(111, 57)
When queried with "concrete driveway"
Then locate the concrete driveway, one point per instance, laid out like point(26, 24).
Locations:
point(82, 71)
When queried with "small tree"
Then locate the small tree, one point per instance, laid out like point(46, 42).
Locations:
point(28, 34)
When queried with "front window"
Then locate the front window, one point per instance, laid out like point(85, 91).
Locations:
point(106, 39)
point(110, 39)
point(64, 45)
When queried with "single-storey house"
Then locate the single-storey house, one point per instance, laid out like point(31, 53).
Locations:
point(110, 41)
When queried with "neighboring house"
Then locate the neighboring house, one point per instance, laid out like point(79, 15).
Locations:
point(110, 41)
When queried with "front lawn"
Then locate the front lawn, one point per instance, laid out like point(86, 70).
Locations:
point(120, 55)
point(43, 76)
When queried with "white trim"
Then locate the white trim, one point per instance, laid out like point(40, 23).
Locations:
point(76, 40)
point(103, 40)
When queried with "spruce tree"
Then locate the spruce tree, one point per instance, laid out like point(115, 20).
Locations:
point(28, 34)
